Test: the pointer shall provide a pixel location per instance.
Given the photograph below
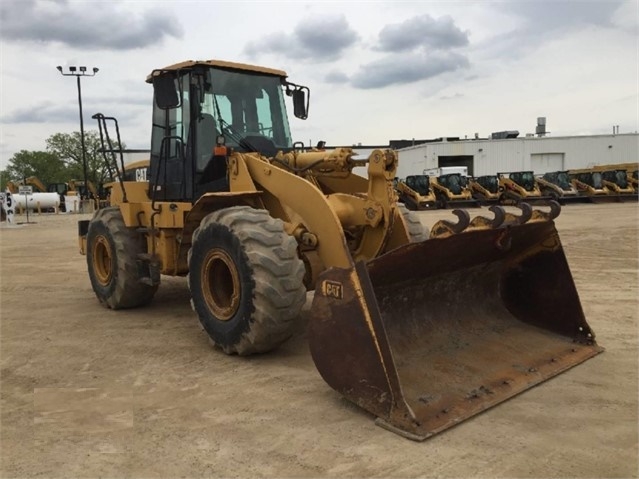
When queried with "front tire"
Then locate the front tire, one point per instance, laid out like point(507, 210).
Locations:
point(416, 231)
point(246, 280)
point(113, 262)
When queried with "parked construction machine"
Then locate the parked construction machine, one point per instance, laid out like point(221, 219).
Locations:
point(520, 186)
point(450, 185)
point(423, 333)
point(617, 181)
point(589, 183)
point(485, 189)
point(88, 191)
point(557, 185)
point(415, 192)
point(633, 179)
point(137, 171)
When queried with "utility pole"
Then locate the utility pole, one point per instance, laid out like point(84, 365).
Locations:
point(79, 72)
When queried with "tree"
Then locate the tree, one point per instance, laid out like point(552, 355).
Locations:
point(4, 177)
point(68, 146)
point(47, 166)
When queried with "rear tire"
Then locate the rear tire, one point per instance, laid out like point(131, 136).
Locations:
point(113, 262)
point(246, 280)
point(416, 231)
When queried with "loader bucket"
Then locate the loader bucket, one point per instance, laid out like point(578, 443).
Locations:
point(473, 203)
point(608, 198)
point(432, 333)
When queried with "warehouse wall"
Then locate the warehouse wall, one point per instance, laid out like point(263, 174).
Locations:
point(545, 154)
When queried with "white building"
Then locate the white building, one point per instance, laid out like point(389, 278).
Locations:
point(538, 154)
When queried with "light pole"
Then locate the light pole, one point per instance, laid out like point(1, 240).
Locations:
point(81, 72)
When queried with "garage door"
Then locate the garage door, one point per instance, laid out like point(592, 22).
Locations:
point(545, 162)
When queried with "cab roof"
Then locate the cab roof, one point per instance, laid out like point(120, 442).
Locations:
point(223, 64)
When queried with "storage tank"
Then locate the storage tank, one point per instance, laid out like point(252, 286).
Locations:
point(46, 201)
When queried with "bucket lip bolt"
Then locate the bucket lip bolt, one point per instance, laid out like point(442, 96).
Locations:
point(585, 335)
point(503, 242)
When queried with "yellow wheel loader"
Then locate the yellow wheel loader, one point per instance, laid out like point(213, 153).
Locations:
point(137, 171)
point(415, 193)
point(423, 333)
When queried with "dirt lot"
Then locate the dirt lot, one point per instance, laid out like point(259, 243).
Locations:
point(88, 392)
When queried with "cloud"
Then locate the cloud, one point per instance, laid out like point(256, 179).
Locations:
point(84, 26)
point(422, 31)
point(317, 38)
point(540, 21)
point(407, 68)
point(561, 14)
point(48, 112)
point(336, 77)
point(454, 96)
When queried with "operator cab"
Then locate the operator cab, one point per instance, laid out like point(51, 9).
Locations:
point(489, 182)
point(454, 182)
point(419, 183)
point(202, 110)
point(525, 179)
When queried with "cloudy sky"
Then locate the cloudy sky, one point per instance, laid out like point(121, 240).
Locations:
point(377, 70)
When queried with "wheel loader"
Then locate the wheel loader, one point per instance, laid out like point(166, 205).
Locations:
point(421, 330)
point(415, 192)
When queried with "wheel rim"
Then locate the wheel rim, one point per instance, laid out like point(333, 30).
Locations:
point(220, 284)
point(102, 260)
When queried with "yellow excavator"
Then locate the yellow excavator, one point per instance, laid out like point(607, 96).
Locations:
point(88, 191)
point(422, 330)
point(13, 186)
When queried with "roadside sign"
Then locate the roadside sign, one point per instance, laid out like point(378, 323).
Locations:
point(25, 190)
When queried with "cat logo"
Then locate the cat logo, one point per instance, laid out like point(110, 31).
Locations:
point(332, 289)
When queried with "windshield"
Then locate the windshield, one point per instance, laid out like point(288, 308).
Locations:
point(559, 178)
point(617, 177)
point(489, 182)
point(248, 109)
point(622, 178)
point(453, 182)
point(526, 179)
point(418, 183)
point(596, 181)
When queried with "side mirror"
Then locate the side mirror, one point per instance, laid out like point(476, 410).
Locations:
point(300, 103)
point(166, 95)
